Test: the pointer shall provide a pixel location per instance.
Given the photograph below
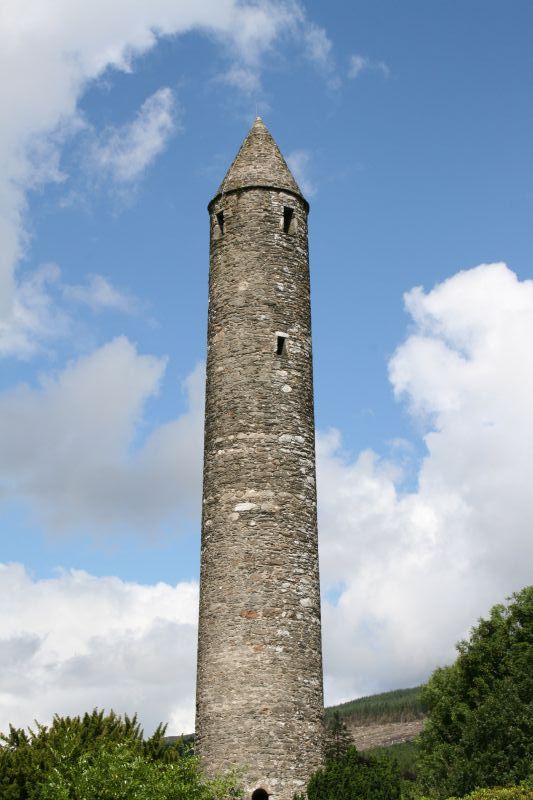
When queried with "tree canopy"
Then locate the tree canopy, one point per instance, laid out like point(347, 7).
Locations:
point(480, 728)
point(338, 738)
point(101, 757)
point(354, 776)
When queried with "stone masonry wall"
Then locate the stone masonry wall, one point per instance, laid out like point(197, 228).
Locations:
point(259, 686)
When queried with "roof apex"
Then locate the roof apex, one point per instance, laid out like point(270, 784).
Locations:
point(259, 163)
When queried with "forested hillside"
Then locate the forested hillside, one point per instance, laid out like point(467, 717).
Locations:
point(399, 705)
point(389, 719)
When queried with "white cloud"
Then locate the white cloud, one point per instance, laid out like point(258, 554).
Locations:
point(126, 152)
point(358, 64)
point(299, 161)
point(319, 48)
point(69, 445)
point(258, 28)
point(254, 28)
point(415, 569)
point(50, 53)
point(410, 570)
point(75, 641)
point(242, 77)
point(100, 294)
point(34, 319)
point(319, 45)
point(38, 318)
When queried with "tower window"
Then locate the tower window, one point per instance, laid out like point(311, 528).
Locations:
point(289, 221)
point(220, 222)
point(281, 340)
point(260, 794)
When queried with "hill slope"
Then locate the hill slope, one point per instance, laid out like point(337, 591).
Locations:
point(385, 719)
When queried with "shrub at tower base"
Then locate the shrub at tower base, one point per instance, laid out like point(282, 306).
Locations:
point(99, 757)
point(480, 729)
point(353, 776)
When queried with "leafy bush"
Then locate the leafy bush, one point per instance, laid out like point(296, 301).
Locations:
point(521, 792)
point(101, 757)
point(480, 729)
point(121, 773)
point(356, 777)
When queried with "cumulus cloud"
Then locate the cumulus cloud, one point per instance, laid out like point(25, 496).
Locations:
point(404, 573)
point(76, 641)
point(69, 445)
point(299, 163)
point(125, 153)
point(49, 55)
point(259, 28)
point(409, 572)
point(41, 314)
point(358, 64)
point(33, 319)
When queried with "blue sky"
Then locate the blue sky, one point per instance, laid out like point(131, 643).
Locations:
point(409, 129)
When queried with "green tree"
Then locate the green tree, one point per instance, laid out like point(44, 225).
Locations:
point(480, 728)
point(101, 757)
point(356, 777)
point(338, 738)
point(120, 772)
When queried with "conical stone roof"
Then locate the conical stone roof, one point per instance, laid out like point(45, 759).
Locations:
point(259, 163)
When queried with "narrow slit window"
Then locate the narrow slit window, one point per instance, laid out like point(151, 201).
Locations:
point(288, 220)
point(281, 349)
point(220, 222)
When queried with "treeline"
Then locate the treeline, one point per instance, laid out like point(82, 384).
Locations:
point(400, 705)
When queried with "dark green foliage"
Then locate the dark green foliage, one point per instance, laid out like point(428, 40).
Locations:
point(26, 758)
point(480, 730)
point(405, 755)
point(184, 743)
point(338, 738)
point(399, 705)
point(356, 777)
point(99, 757)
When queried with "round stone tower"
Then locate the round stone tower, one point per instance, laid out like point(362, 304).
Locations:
point(259, 685)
